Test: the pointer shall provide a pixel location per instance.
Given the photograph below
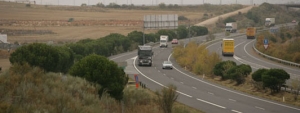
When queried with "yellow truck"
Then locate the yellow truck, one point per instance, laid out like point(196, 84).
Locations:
point(228, 47)
point(251, 31)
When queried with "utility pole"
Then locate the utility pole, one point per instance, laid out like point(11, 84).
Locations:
point(74, 2)
point(203, 2)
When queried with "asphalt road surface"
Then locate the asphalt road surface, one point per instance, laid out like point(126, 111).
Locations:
point(194, 91)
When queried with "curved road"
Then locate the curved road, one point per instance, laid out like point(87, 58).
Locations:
point(203, 95)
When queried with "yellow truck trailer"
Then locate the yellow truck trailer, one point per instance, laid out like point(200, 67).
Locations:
point(251, 31)
point(228, 47)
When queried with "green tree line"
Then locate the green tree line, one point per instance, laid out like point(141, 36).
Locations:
point(90, 57)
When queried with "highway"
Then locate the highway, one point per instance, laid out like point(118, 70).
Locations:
point(203, 95)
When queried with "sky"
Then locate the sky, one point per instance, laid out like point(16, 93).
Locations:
point(155, 2)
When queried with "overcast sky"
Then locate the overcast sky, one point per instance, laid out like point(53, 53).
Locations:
point(155, 2)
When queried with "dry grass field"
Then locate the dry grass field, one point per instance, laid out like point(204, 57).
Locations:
point(16, 16)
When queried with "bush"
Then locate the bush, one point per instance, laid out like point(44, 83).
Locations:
point(29, 89)
point(228, 20)
point(221, 68)
point(274, 79)
point(257, 75)
point(71, 20)
point(182, 18)
point(100, 70)
point(166, 98)
point(28, 5)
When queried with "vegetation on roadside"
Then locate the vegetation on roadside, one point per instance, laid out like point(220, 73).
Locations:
point(273, 79)
point(229, 70)
point(283, 44)
point(265, 83)
point(196, 58)
point(49, 58)
point(257, 15)
point(117, 43)
point(90, 65)
point(30, 89)
point(100, 70)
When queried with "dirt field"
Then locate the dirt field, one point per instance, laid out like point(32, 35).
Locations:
point(93, 24)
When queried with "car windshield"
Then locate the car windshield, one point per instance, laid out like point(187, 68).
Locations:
point(167, 62)
point(174, 40)
point(163, 41)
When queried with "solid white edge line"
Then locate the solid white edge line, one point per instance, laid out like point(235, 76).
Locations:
point(231, 90)
point(236, 111)
point(266, 61)
point(156, 81)
point(194, 87)
point(211, 103)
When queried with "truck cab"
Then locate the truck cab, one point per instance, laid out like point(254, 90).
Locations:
point(145, 54)
point(269, 22)
point(163, 41)
point(231, 27)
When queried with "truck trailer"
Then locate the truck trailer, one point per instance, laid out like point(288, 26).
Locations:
point(163, 41)
point(231, 27)
point(228, 47)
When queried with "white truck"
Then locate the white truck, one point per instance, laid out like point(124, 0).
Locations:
point(269, 22)
point(163, 41)
point(231, 27)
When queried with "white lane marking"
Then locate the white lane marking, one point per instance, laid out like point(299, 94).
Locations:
point(232, 100)
point(155, 67)
point(265, 61)
point(158, 70)
point(164, 74)
point(194, 87)
point(210, 93)
point(211, 103)
point(231, 90)
point(260, 108)
point(236, 111)
point(172, 78)
point(156, 81)
point(181, 82)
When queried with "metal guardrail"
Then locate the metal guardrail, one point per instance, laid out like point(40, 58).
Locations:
point(276, 59)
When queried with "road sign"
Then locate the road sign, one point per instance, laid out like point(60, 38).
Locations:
point(266, 43)
point(136, 81)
